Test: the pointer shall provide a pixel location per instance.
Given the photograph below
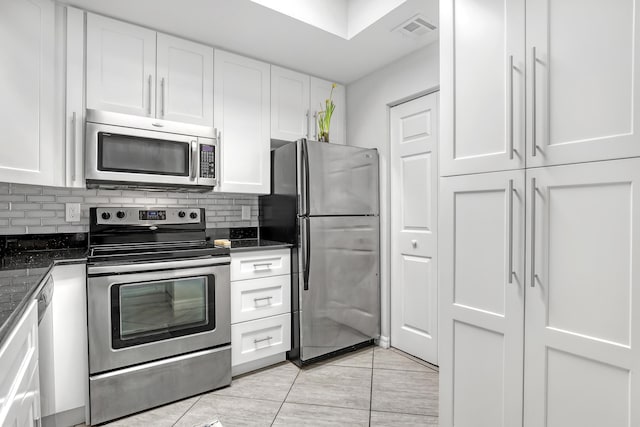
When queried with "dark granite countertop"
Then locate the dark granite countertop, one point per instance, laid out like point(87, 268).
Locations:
point(24, 262)
point(241, 245)
point(244, 239)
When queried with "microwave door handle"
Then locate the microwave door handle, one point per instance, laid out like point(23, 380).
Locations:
point(194, 160)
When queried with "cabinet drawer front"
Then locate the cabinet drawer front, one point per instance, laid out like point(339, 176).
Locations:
point(260, 338)
point(257, 298)
point(251, 265)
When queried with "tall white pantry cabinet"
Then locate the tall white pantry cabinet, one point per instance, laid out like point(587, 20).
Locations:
point(540, 166)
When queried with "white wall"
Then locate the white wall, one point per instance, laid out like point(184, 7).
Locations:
point(368, 103)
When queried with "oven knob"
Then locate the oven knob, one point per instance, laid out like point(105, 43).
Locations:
point(181, 214)
point(120, 214)
point(193, 215)
point(106, 215)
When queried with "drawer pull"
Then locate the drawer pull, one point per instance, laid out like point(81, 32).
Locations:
point(268, 299)
point(256, 341)
point(265, 265)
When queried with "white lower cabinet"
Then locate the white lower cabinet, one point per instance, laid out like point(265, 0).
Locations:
point(260, 308)
point(578, 284)
point(481, 299)
point(582, 340)
point(19, 381)
point(257, 339)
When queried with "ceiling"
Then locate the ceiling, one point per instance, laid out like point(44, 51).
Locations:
point(250, 29)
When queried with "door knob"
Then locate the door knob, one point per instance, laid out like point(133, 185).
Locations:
point(414, 243)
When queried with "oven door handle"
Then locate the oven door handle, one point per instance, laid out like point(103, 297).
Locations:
point(151, 266)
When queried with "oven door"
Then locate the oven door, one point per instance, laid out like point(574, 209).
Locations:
point(119, 155)
point(144, 312)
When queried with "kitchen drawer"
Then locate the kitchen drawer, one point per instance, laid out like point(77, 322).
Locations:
point(257, 298)
point(256, 339)
point(251, 265)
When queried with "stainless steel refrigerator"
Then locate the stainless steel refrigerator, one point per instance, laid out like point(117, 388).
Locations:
point(325, 201)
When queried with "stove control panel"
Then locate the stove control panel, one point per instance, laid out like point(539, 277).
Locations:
point(147, 216)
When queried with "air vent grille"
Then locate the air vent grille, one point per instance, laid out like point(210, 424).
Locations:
point(415, 27)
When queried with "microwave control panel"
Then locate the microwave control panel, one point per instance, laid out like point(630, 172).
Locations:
point(207, 161)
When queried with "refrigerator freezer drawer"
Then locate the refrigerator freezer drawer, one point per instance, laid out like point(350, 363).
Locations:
point(260, 338)
point(257, 298)
point(253, 265)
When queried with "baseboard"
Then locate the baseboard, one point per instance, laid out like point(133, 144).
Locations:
point(383, 342)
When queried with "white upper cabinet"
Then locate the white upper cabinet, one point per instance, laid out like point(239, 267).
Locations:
point(583, 81)
point(184, 81)
point(289, 104)
point(31, 146)
point(121, 67)
point(74, 105)
point(242, 101)
point(482, 86)
point(320, 91)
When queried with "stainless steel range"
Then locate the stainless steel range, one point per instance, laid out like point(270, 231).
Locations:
point(158, 310)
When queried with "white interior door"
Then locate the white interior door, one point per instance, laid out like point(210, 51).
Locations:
point(583, 294)
point(414, 198)
point(185, 81)
point(583, 82)
point(481, 253)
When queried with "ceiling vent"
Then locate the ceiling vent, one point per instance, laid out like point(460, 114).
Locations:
point(415, 27)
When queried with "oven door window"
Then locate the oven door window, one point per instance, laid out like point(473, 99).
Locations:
point(154, 311)
point(122, 153)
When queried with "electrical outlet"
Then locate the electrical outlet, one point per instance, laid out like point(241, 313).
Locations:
point(72, 212)
point(246, 213)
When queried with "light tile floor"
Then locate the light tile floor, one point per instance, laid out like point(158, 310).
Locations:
point(371, 387)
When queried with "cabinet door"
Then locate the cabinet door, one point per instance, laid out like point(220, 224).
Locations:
point(121, 67)
point(320, 91)
point(583, 295)
point(19, 383)
point(482, 86)
point(289, 104)
point(74, 121)
point(241, 98)
point(583, 81)
point(185, 81)
point(481, 249)
point(32, 152)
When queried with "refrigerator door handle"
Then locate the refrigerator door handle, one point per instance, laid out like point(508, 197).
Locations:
point(307, 253)
point(305, 176)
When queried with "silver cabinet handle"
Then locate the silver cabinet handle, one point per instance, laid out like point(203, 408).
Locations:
point(315, 125)
point(414, 243)
point(73, 147)
point(149, 95)
point(268, 299)
point(194, 160)
point(267, 265)
point(163, 96)
point(256, 341)
point(306, 133)
point(533, 102)
point(534, 189)
point(511, 107)
point(510, 272)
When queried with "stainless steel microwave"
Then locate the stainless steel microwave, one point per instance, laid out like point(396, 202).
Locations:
point(124, 151)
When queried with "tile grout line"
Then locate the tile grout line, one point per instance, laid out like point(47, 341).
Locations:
point(373, 361)
point(285, 398)
point(188, 409)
